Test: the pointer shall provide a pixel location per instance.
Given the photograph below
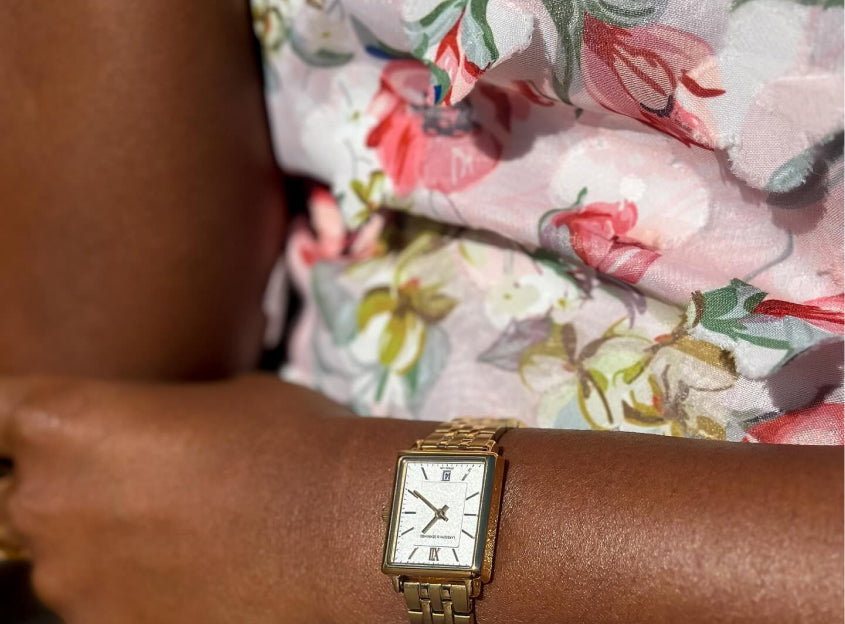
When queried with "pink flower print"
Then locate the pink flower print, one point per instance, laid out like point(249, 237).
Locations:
point(419, 144)
point(596, 233)
point(327, 238)
point(641, 71)
point(819, 424)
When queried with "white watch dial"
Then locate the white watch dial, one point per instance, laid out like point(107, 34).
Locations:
point(438, 515)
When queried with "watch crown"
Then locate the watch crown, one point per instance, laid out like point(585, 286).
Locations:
point(385, 515)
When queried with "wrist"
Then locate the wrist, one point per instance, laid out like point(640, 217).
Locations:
point(452, 478)
point(351, 585)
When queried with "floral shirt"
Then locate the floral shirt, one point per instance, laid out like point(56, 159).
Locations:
point(590, 214)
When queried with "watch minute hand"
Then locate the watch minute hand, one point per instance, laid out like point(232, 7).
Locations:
point(425, 500)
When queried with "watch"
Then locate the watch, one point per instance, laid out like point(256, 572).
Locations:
point(443, 520)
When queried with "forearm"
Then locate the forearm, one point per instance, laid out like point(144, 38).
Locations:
point(257, 501)
point(600, 527)
point(141, 203)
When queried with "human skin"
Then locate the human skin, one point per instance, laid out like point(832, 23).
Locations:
point(141, 205)
point(252, 500)
point(141, 215)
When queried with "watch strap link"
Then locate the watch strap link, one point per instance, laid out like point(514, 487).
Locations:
point(468, 434)
point(452, 602)
point(439, 603)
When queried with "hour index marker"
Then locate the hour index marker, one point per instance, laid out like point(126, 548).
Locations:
point(425, 476)
point(406, 532)
point(472, 496)
point(467, 534)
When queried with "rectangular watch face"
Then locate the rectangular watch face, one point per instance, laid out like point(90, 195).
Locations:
point(441, 508)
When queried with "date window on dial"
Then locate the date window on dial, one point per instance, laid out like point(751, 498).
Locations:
point(447, 475)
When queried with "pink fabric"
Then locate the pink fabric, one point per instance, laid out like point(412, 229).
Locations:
point(612, 215)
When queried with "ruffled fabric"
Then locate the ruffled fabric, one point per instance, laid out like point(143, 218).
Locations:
point(685, 154)
point(409, 318)
point(490, 114)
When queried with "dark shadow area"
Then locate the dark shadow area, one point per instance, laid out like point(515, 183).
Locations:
point(18, 604)
point(809, 378)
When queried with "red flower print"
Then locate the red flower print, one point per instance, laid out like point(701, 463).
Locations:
point(652, 74)
point(596, 233)
point(825, 313)
point(819, 424)
point(420, 144)
point(324, 237)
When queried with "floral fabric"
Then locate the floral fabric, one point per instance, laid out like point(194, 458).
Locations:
point(608, 214)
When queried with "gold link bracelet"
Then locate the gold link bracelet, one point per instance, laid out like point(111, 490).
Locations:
point(429, 598)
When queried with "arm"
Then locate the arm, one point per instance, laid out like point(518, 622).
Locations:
point(131, 135)
point(141, 206)
point(221, 510)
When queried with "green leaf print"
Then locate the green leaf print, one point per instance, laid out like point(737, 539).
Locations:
point(808, 164)
point(630, 374)
point(393, 338)
point(726, 317)
point(477, 36)
point(434, 26)
point(568, 18)
point(626, 13)
point(440, 81)
point(426, 371)
point(337, 307)
point(724, 310)
point(431, 305)
point(377, 301)
point(321, 57)
point(599, 379)
point(641, 415)
point(477, 43)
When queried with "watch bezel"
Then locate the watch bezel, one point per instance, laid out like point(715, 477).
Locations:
point(491, 494)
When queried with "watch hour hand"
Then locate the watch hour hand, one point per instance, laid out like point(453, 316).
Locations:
point(430, 524)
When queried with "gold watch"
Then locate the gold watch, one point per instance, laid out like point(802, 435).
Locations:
point(444, 517)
